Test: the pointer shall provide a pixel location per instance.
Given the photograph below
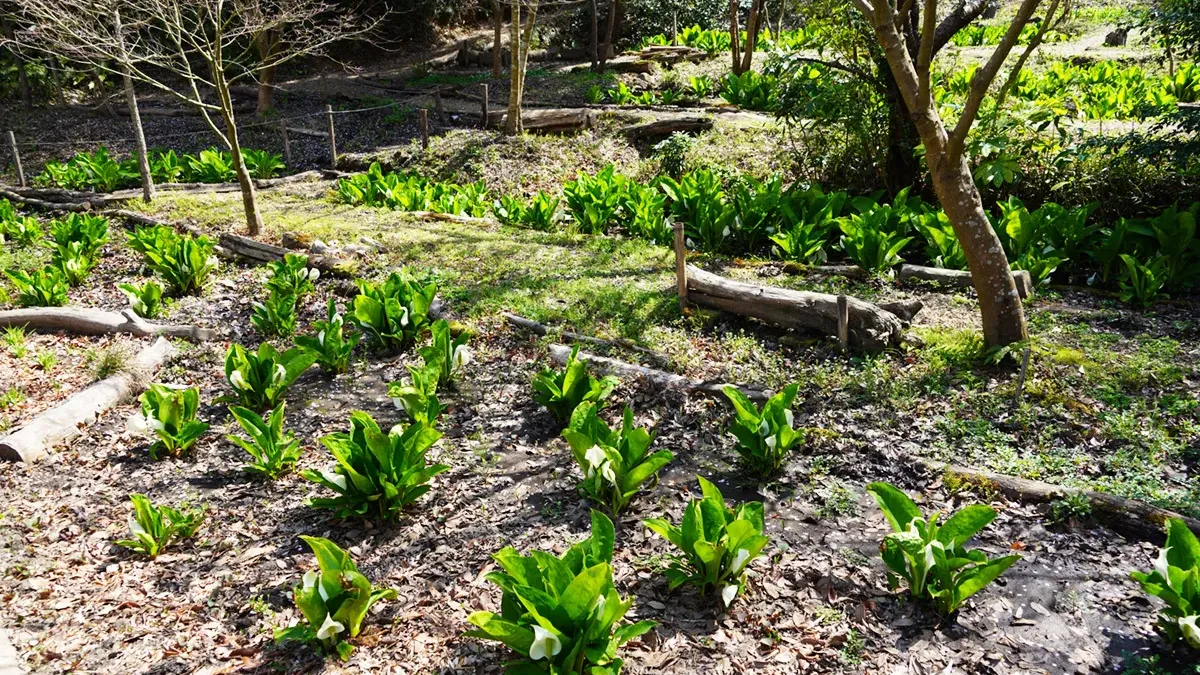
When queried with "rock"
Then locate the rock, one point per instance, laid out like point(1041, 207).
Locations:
point(1117, 38)
point(356, 249)
point(319, 246)
point(297, 241)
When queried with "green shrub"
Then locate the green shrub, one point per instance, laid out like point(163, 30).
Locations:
point(594, 202)
point(1143, 284)
point(868, 244)
point(765, 437)
point(930, 558)
point(394, 313)
point(154, 528)
point(261, 379)
point(275, 316)
point(751, 90)
point(331, 345)
point(698, 201)
point(614, 462)
point(447, 354)
point(1175, 579)
point(145, 300)
point(377, 474)
point(262, 164)
point(211, 166)
point(22, 230)
point(560, 614)
point(334, 600)
point(292, 275)
point(561, 392)
point(418, 399)
point(44, 288)
point(716, 544)
point(169, 414)
point(274, 452)
point(183, 261)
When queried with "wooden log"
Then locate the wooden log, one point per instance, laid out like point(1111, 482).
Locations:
point(44, 204)
point(1129, 516)
point(452, 218)
point(89, 321)
point(681, 284)
point(959, 278)
point(561, 353)
point(311, 133)
point(548, 120)
point(62, 423)
point(423, 123)
point(666, 126)
point(259, 253)
point(870, 327)
point(624, 64)
point(543, 330)
point(905, 309)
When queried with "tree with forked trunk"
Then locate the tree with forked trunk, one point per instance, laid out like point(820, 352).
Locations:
point(194, 51)
point(907, 32)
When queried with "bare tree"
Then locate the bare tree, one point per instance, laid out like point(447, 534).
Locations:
point(192, 50)
point(497, 30)
point(266, 43)
point(758, 12)
point(521, 38)
point(614, 10)
point(899, 28)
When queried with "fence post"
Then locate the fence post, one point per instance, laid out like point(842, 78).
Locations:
point(681, 266)
point(332, 137)
point(483, 94)
point(12, 141)
point(423, 122)
point(287, 147)
point(843, 307)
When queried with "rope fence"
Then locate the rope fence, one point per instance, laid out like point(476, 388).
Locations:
point(281, 123)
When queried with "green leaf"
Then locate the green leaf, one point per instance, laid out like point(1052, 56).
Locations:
point(964, 524)
point(897, 507)
point(581, 594)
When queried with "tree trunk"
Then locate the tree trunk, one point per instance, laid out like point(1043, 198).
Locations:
point(512, 126)
point(595, 45)
point(266, 91)
point(757, 10)
point(614, 8)
point(735, 37)
point(901, 167)
point(497, 30)
point(135, 116)
point(999, 301)
point(245, 183)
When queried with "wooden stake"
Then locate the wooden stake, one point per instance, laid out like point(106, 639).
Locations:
point(332, 138)
point(681, 267)
point(423, 122)
point(1021, 377)
point(12, 141)
point(437, 104)
point(287, 146)
point(483, 95)
point(843, 309)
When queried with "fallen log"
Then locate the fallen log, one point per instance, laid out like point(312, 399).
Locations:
point(959, 278)
point(851, 271)
point(870, 327)
point(542, 329)
point(560, 353)
point(259, 253)
point(44, 204)
point(62, 423)
point(666, 126)
point(623, 64)
point(89, 321)
point(548, 120)
point(452, 218)
point(1128, 516)
point(905, 309)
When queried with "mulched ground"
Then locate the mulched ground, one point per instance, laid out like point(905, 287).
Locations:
point(74, 602)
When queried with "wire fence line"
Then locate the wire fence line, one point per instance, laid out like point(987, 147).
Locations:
point(184, 134)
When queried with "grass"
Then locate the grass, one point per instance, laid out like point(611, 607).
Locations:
point(104, 362)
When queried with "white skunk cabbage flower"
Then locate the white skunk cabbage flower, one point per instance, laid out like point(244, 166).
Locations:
point(238, 380)
point(212, 261)
point(335, 478)
point(787, 415)
point(725, 232)
point(739, 560)
point(1191, 633)
point(607, 471)
point(313, 274)
point(729, 593)
point(155, 425)
point(595, 457)
point(310, 579)
point(772, 441)
point(545, 644)
point(329, 629)
point(279, 374)
point(135, 528)
point(764, 428)
point(136, 425)
point(1161, 566)
point(404, 316)
point(461, 357)
point(321, 337)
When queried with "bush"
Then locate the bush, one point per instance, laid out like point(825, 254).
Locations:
point(377, 474)
point(765, 437)
point(183, 261)
point(170, 415)
point(153, 528)
point(1176, 580)
point(394, 313)
point(45, 288)
point(260, 379)
point(614, 462)
point(561, 392)
point(274, 452)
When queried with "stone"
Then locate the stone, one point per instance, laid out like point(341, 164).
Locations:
point(1117, 38)
point(297, 241)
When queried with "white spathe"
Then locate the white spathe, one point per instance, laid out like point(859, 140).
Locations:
point(545, 644)
point(329, 629)
point(462, 356)
point(1191, 633)
point(1162, 566)
point(238, 380)
point(135, 528)
point(739, 560)
point(729, 593)
point(279, 374)
point(335, 478)
point(595, 457)
point(136, 425)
